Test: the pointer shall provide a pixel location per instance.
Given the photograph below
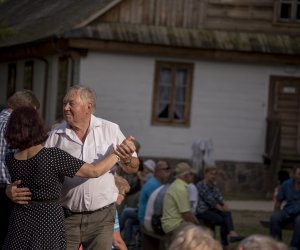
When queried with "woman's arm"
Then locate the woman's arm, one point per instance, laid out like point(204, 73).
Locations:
point(99, 168)
point(126, 148)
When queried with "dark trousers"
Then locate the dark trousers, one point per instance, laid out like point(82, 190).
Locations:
point(129, 222)
point(6, 206)
point(280, 218)
point(222, 219)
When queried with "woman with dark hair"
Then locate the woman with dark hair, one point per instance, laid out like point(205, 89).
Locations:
point(40, 224)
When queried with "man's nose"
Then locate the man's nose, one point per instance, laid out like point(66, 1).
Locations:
point(66, 106)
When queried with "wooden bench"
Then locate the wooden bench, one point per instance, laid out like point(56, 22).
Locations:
point(152, 241)
point(266, 224)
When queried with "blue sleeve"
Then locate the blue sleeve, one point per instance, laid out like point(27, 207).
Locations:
point(282, 191)
point(116, 225)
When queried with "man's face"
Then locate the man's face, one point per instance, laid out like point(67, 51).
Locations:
point(76, 111)
point(164, 171)
point(190, 177)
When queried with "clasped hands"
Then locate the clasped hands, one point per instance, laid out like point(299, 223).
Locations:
point(125, 150)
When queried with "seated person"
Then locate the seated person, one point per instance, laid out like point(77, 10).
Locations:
point(212, 209)
point(129, 224)
point(177, 211)
point(154, 209)
point(162, 173)
point(290, 193)
point(147, 172)
point(282, 176)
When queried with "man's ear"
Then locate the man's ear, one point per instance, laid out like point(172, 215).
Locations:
point(90, 107)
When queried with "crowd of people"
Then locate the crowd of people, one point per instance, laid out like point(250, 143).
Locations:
point(67, 188)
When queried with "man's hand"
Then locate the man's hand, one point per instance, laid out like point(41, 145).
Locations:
point(125, 150)
point(20, 196)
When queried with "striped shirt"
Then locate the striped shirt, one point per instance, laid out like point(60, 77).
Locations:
point(4, 175)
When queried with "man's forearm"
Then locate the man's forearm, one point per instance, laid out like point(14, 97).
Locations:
point(190, 217)
point(20, 196)
point(277, 206)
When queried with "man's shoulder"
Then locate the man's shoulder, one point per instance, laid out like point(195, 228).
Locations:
point(178, 187)
point(287, 183)
point(4, 115)
point(100, 122)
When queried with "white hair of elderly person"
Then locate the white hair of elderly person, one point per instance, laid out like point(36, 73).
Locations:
point(194, 237)
point(261, 242)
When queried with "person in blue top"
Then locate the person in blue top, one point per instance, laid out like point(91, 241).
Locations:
point(161, 176)
point(290, 193)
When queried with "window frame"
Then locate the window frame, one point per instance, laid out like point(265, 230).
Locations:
point(174, 66)
point(295, 4)
point(28, 75)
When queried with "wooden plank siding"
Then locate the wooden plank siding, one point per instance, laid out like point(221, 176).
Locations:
point(247, 15)
point(172, 13)
point(240, 15)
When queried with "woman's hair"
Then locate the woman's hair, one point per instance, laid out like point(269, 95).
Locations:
point(193, 237)
point(261, 242)
point(25, 128)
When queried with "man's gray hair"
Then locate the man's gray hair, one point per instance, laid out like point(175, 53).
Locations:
point(23, 98)
point(261, 242)
point(86, 94)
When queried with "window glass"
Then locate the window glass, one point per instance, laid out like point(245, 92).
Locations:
point(172, 93)
point(28, 75)
point(286, 10)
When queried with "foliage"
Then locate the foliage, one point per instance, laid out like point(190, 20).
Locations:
point(6, 32)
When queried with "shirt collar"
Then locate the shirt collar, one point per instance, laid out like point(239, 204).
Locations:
point(63, 128)
point(182, 182)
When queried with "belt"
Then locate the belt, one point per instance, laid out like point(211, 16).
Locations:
point(36, 202)
point(88, 212)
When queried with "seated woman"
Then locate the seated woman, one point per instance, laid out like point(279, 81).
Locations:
point(212, 209)
point(40, 224)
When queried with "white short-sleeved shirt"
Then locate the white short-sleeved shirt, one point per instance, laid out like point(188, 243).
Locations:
point(193, 194)
point(88, 194)
point(150, 209)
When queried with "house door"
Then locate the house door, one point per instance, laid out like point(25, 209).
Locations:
point(284, 105)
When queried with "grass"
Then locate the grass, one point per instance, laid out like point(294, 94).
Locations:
point(248, 223)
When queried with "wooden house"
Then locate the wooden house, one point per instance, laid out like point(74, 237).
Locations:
point(168, 71)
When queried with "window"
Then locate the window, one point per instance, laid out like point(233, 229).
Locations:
point(289, 10)
point(62, 86)
point(172, 94)
point(12, 79)
point(28, 75)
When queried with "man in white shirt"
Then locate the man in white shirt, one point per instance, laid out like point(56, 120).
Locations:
point(89, 204)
